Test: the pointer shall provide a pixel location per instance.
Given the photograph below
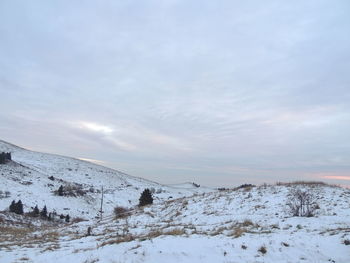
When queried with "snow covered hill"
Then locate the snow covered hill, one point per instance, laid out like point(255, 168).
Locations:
point(245, 224)
point(34, 177)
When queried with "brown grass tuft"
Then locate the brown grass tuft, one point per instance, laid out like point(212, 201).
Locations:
point(262, 250)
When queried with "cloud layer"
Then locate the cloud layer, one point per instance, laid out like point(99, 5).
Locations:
point(219, 93)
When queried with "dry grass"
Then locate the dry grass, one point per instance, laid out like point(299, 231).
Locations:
point(94, 260)
point(247, 222)
point(150, 235)
point(335, 231)
point(238, 232)
point(121, 239)
point(24, 259)
point(149, 214)
point(15, 231)
point(175, 232)
point(218, 231)
point(78, 220)
point(308, 183)
point(27, 237)
point(51, 247)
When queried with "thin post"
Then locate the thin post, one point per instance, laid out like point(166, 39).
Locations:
point(101, 210)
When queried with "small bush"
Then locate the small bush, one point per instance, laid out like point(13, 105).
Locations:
point(245, 186)
point(262, 250)
point(146, 198)
point(16, 207)
point(73, 190)
point(302, 203)
point(346, 242)
point(196, 185)
point(43, 212)
point(5, 157)
point(35, 212)
point(121, 212)
point(60, 191)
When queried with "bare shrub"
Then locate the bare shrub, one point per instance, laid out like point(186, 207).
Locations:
point(78, 220)
point(262, 250)
point(247, 222)
point(121, 212)
point(246, 187)
point(302, 203)
point(73, 190)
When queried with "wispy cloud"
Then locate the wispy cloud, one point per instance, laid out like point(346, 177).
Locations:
point(232, 91)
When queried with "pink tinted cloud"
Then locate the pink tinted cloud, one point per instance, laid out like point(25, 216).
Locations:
point(333, 175)
point(337, 177)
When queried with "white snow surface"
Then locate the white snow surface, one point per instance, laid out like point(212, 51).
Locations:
point(195, 225)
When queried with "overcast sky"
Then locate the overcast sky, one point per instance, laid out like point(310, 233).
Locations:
point(216, 92)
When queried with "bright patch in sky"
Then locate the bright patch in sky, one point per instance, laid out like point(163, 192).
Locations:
point(96, 127)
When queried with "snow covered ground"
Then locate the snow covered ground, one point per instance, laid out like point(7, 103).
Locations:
point(251, 224)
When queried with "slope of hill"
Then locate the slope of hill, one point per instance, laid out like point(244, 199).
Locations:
point(35, 178)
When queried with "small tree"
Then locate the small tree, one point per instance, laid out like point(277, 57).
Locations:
point(146, 198)
point(67, 219)
point(43, 212)
point(13, 207)
point(36, 211)
point(60, 190)
point(4, 157)
point(19, 208)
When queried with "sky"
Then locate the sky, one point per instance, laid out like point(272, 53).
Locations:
point(214, 92)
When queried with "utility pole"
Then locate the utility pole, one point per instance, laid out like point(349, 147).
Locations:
point(101, 210)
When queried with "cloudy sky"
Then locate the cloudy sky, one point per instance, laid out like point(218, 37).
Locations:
point(215, 92)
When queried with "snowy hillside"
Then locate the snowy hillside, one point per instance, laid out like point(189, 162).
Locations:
point(245, 224)
point(34, 177)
